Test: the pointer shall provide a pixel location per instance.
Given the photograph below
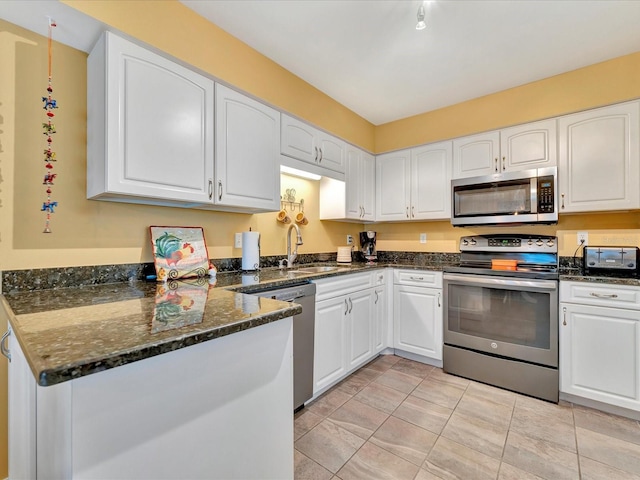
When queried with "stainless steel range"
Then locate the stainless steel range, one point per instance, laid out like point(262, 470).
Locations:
point(501, 313)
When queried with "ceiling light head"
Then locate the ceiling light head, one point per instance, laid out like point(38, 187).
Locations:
point(421, 25)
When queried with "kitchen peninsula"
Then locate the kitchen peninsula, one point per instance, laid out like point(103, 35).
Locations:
point(103, 386)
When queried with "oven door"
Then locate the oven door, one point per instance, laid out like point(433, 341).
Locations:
point(507, 317)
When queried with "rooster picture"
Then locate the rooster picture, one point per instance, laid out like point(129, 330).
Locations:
point(172, 248)
point(179, 252)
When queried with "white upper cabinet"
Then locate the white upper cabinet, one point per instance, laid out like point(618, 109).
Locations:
point(150, 127)
point(431, 181)
point(599, 163)
point(532, 145)
point(360, 185)
point(303, 142)
point(354, 198)
point(476, 155)
point(247, 167)
point(414, 184)
point(151, 135)
point(393, 186)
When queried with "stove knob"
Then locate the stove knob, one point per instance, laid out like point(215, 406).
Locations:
point(465, 242)
point(550, 243)
point(530, 242)
point(473, 241)
point(539, 242)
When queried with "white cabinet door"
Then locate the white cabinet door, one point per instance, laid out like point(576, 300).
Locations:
point(381, 318)
point(330, 342)
point(417, 320)
point(476, 155)
point(368, 187)
point(599, 162)
point(360, 174)
point(431, 181)
point(247, 152)
point(360, 328)
point(331, 152)
point(22, 414)
point(149, 126)
point(532, 145)
point(600, 354)
point(353, 177)
point(393, 186)
point(298, 140)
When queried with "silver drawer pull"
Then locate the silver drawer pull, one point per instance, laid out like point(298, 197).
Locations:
point(603, 295)
point(416, 278)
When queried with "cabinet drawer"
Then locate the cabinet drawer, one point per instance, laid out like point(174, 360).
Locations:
point(602, 294)
point(343, 284)
point(418, 278)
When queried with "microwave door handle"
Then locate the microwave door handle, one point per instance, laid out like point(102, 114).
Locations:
point(534, 195)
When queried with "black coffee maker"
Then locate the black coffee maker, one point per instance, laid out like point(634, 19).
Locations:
point(368, 245)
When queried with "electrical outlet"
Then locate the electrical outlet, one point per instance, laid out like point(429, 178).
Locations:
point(349, 240)
point(238, 241)
point(583, 238)
point(423, 238)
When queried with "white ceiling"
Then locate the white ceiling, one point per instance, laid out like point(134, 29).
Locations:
point(368, 55)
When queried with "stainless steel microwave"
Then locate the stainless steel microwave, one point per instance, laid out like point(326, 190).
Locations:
point(528, 196)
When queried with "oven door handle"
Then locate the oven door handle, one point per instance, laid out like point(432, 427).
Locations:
point(501, 282)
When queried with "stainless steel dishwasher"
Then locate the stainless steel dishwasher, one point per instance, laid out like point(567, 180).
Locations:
point(303, 333)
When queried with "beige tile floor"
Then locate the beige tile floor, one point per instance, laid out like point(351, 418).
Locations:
point(399, 419)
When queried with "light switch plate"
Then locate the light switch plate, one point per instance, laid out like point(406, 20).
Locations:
point(238, 241)
point(349, 240)
point(423, 238)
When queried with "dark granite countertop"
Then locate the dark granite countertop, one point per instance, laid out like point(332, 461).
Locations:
point(73, 332)
point(68, 333)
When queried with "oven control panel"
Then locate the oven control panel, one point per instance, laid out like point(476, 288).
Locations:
point(506, 242)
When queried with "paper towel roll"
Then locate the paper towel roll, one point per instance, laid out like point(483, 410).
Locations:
point(250, 250)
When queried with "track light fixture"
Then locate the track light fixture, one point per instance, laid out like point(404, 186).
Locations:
point(421, 25)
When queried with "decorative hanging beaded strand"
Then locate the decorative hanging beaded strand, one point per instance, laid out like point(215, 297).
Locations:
point(49, 130)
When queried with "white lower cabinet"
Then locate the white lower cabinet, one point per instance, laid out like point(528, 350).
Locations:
point(600, 343)
point(348, 327)
point(417, 313)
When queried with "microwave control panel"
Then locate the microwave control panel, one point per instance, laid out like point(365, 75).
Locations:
point(546, 198)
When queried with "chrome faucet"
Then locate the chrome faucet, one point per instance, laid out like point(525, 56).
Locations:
point(291, 257)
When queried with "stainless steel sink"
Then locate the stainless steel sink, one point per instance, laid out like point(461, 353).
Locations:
point(322, 269)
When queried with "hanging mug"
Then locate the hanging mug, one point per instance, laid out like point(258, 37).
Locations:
point(283, 216)
point(301, 219)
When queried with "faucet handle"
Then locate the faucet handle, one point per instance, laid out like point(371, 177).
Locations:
point(281, 263)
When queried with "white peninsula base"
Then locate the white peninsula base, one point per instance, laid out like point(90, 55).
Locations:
point(221, 409)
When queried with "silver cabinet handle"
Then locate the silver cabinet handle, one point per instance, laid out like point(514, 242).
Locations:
point(320, 159)
point(210, 189)
point(603, 295)
point(350, 305)
point(496, 167)
point(316, 158)
point(376, 302)
point(219, 189)
point(413, 211)
point(562, 200)
point(439, 294)
point(503, 162)
point(3, 348)
point(416, 278)
point(346, 306)
point(564, 316)
point(407, 211)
